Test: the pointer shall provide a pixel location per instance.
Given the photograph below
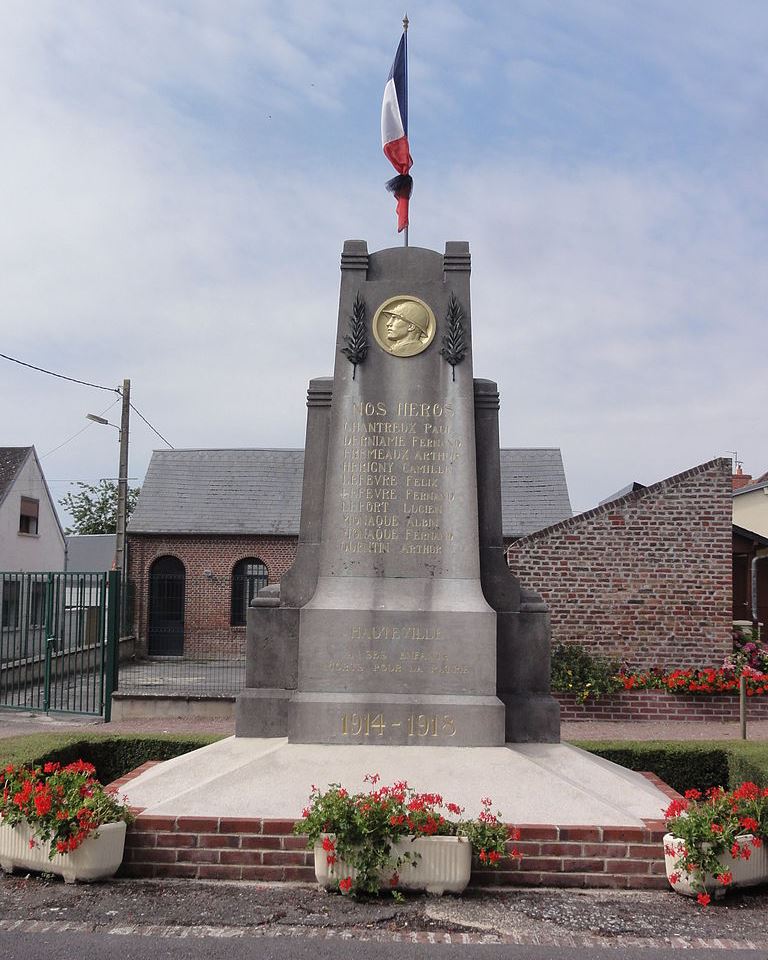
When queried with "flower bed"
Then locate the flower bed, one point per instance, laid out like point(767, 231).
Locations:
point(58, 810)
point(655, 704)
point(744, 865)
point(96, 858)
point(710, 834)
point(705, 681)
point(372, 835)
point(586, 677)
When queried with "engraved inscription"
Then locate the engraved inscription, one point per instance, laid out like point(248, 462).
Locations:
point(417, 725)
point(397, 476)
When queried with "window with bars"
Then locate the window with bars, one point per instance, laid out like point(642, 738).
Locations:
point(248, 577)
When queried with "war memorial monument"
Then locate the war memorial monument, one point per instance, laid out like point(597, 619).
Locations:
point(399, 642)
point(400, 622)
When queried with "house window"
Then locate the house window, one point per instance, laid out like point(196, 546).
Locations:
point(29, 513)
point(248, 577)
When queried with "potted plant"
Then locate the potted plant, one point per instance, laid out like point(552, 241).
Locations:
point(717, 840)
point(393, 836)
point(61, 820)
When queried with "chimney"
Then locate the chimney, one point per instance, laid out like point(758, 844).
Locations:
point(740, 479)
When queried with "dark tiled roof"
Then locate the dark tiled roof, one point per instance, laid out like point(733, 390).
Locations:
point(12, 459)
point(534, 493)
point(259, 492)
point(221, 491)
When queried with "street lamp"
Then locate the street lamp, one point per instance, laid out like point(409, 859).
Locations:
point(122, 476)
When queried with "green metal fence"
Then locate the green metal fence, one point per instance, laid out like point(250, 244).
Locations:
point(58, 641)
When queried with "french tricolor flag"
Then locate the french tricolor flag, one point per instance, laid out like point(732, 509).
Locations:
point(394, 132)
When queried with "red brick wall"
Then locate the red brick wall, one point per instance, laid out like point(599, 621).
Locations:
point(208, 563)
point(229, 848)
point(646, 578)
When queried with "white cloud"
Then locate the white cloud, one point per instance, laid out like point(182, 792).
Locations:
point(158, 225)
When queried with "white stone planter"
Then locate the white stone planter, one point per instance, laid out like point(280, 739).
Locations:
point(441, 864)
point(96, 858)
point(746, 873)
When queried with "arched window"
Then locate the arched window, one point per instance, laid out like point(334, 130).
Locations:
point(167, 583)
point(248, 577)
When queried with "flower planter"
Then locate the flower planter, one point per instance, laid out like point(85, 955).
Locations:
point(441, 864)
point(96, 858)
point(746, 873)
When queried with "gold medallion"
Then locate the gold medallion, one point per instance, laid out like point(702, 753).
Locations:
point(404, 326)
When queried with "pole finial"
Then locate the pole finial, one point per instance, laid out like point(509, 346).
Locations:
point(406, 21)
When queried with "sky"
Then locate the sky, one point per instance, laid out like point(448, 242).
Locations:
point(178, 178)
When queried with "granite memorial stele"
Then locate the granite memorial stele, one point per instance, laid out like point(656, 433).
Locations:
point(399, 622)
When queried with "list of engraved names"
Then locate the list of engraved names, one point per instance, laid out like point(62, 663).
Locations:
point(397, 477)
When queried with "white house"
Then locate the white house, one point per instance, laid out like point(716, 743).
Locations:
point(31, 541)
point(750, 506)
point(31, 538)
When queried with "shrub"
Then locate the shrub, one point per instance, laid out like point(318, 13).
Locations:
point(588, 675)
point(112, 756)
point(685, 765)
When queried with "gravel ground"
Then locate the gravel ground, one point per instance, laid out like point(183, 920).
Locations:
point(542, 915)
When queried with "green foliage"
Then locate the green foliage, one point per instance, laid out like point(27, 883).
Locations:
point(94, 508)
point(112, 755)
point(685, 765)
point(576, 670)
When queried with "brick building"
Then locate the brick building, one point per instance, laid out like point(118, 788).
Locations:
point(645, 577)
point(212, 527)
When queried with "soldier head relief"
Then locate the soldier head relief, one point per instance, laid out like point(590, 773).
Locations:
point(404, 326)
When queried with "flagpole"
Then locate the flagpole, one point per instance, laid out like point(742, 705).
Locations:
point(405, 37)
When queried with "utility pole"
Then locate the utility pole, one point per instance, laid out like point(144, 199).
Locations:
point(122, 482)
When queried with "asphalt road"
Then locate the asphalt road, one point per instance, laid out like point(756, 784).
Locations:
point(56, 946)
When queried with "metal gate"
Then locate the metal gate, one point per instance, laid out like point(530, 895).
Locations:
point(167, 588)
point(58, 641)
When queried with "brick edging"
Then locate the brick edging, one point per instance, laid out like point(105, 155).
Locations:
point(261, 848)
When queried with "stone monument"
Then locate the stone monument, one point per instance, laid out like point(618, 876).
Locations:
point(399, 622)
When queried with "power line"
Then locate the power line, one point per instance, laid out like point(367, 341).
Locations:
point(151, 427)
point(85, 383)
point(74, 435)
point(61, 376)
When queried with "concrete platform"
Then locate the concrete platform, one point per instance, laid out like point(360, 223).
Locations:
point(271, 778)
